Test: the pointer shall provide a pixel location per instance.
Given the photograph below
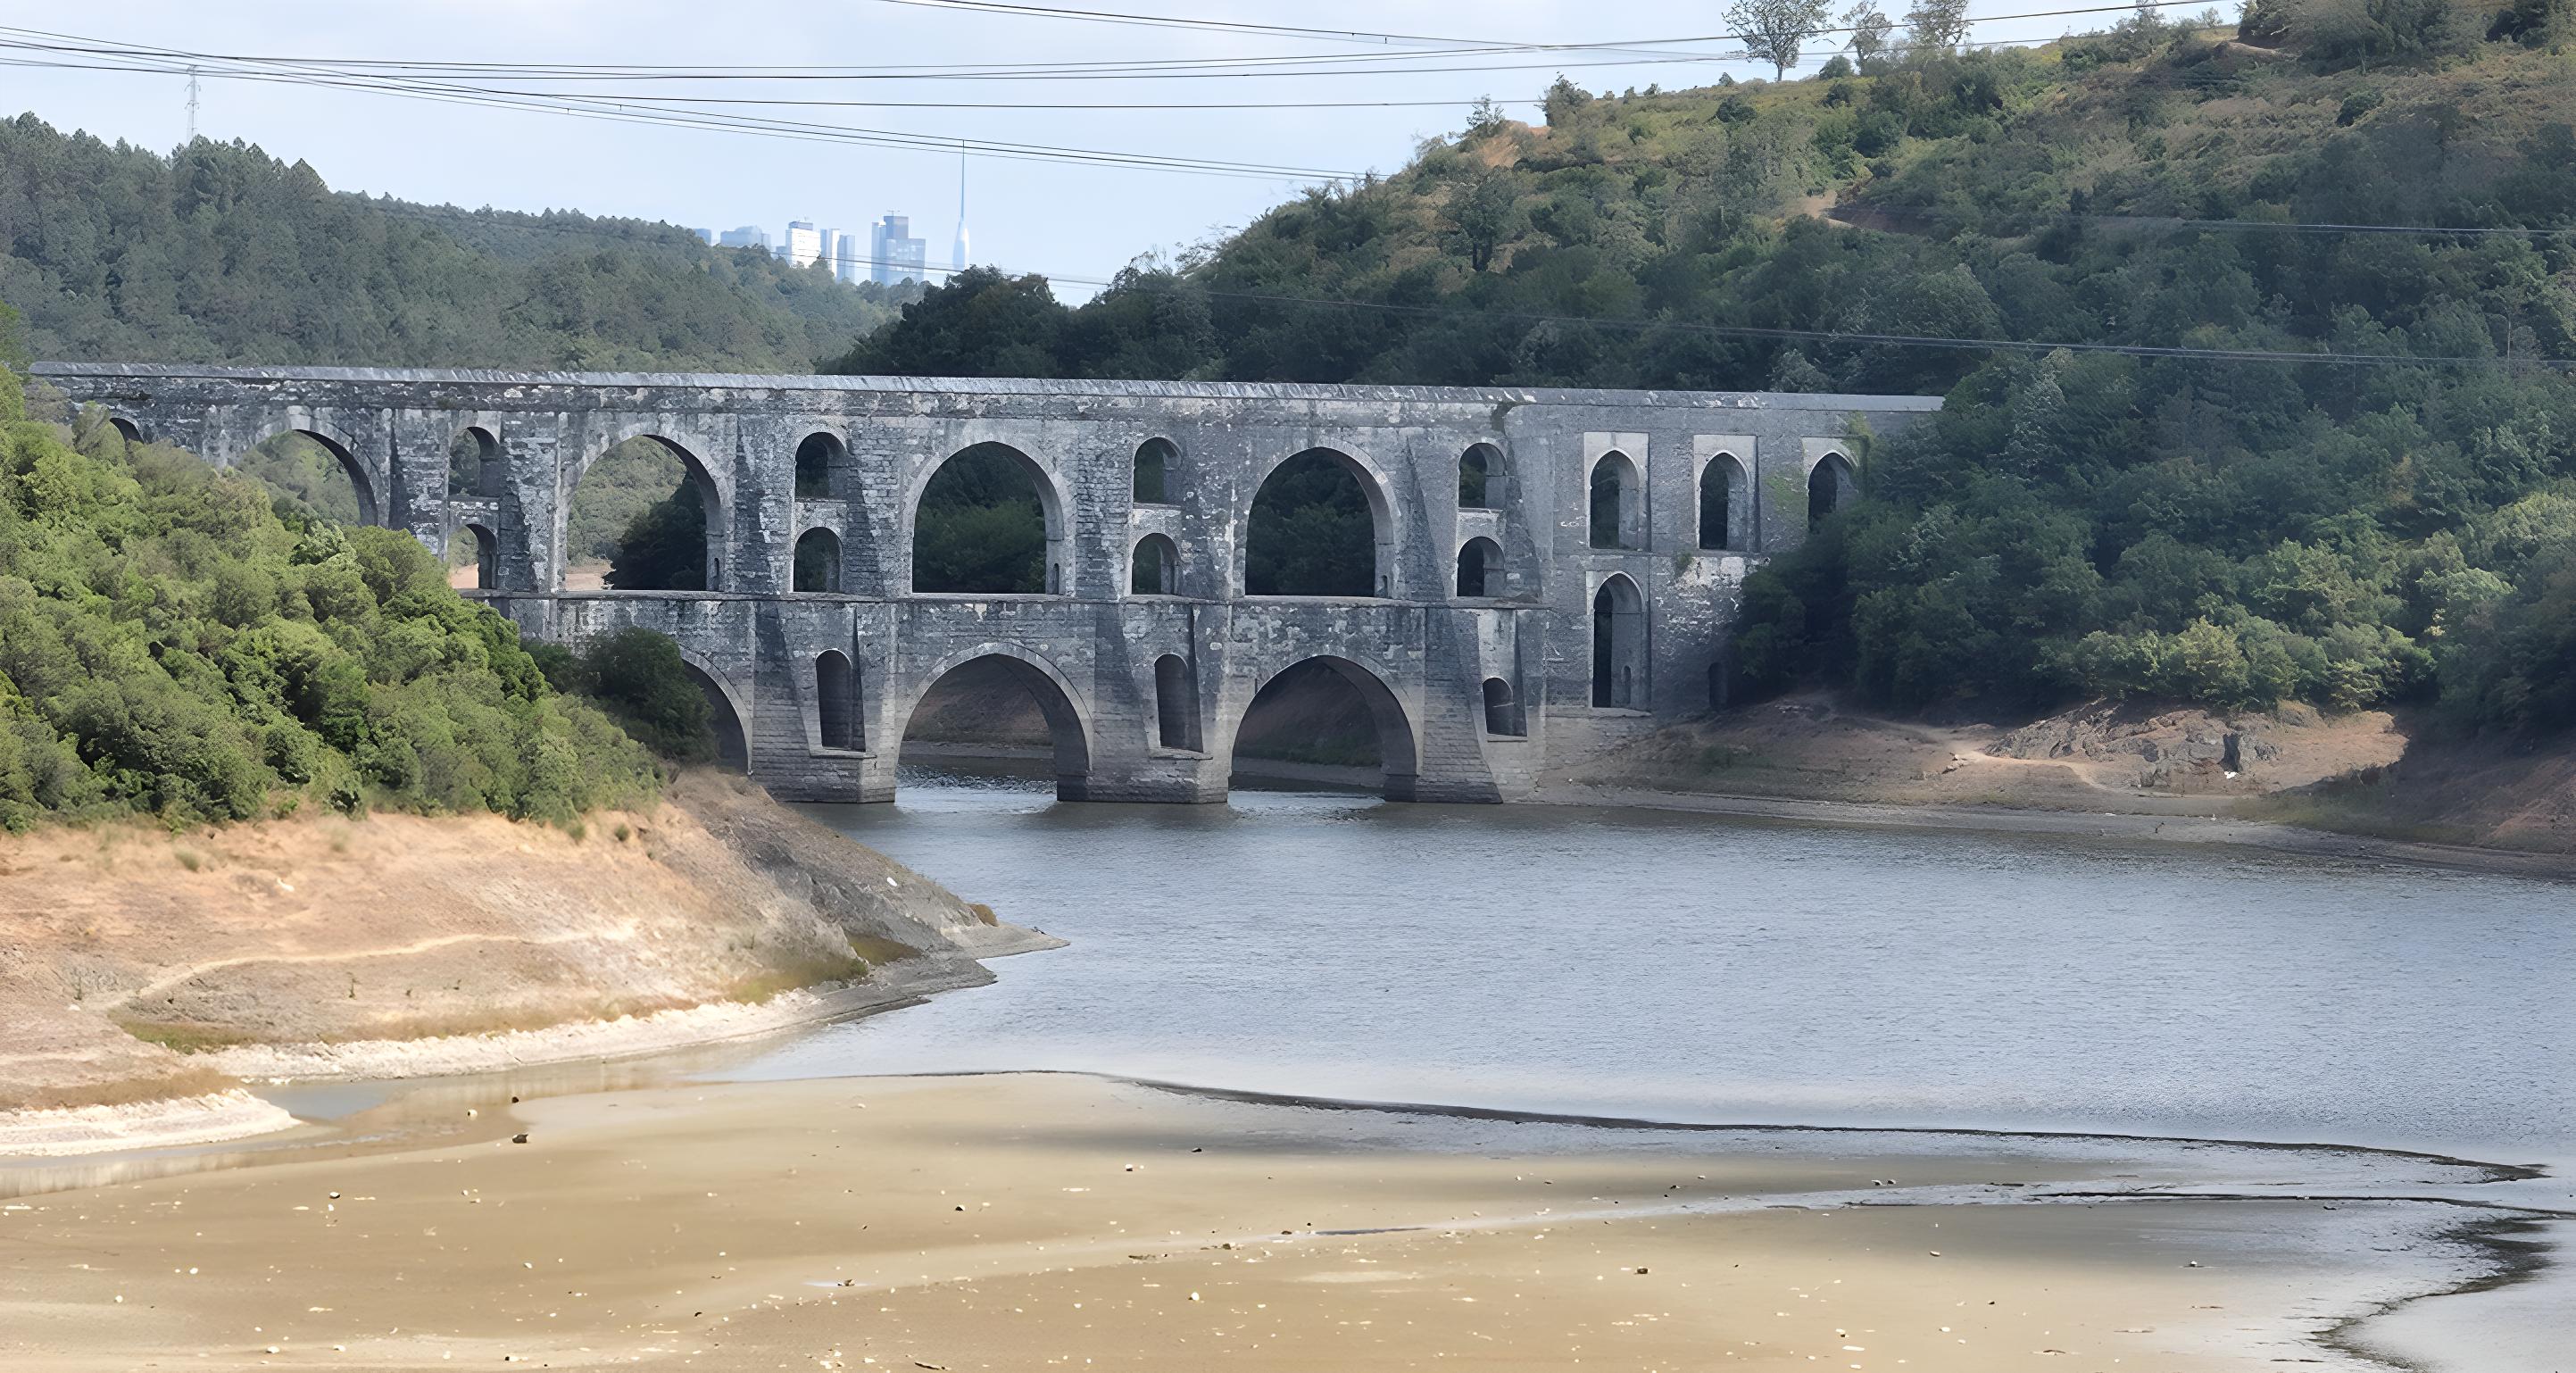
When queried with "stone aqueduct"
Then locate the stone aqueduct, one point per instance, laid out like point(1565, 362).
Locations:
point(1501, 640)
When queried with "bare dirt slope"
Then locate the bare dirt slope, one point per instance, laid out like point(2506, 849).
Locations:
point(125, 950)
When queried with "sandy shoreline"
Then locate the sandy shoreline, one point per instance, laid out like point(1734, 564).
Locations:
point(1024, 1221)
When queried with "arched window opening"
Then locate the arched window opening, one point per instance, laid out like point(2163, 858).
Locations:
point(823, 469)
point(1618, 503)
point(1155, 459)
point(1155, 570)
point(641, 518)
point(1830, 487)
point(836, 701)
point(818, 561)
point(1502, 712)
point(1722, 504)
point(311, 476)
point(987, 523)
point(474, 466)
point(1316, 530)
point(471, 552)
point(1331, 712)
point(1000, 707)
point(126, 429)
point(1480, 478)
point(1176, 703)
point(1618, 644)
point(1480, 569)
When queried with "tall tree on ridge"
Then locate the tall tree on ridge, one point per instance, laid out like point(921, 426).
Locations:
point(1775, 30)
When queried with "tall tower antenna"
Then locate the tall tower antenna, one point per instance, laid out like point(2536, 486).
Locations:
point(192, 104)
point(957, 254)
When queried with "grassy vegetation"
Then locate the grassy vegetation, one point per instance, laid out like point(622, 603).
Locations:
point(179, 642)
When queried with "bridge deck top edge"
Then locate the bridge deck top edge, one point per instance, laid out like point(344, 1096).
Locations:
point(990, 386)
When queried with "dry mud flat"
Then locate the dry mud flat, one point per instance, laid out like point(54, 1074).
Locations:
point(1024, 1222)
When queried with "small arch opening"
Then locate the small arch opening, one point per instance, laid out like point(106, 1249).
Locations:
point(1480, 478)
point(1155, 461)
point(313, 476)
point(471, 555)
point(823, 468)
point(1176, 703)
point(1502, 710)
point(1155, 568)
point(986, 522)
point(474, 466)
point(1832, 486)
point(818, 561)
point(126, 429)
point(1723, 507)
point(1618, 644)
point(836, 701)
point(1317, 529)
point(1617, 503)
point(1480, 569)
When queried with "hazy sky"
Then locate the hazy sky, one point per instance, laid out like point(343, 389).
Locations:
point(1071, 221)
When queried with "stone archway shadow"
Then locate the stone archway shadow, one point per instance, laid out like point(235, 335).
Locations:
point(1068, 719)
point(1398, 741)
point(731, 714)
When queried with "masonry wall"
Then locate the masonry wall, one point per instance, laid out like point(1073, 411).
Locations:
point(1420, 654)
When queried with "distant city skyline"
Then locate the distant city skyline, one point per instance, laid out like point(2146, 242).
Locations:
point(890, 252)
point(899, 139)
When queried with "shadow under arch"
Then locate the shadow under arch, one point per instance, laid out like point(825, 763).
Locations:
point(701, 479)
point(725, 715)
point(1068, 725)
point(339, 443)
point(1399, 755)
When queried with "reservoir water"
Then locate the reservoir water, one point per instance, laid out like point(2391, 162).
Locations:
point(1691, 968)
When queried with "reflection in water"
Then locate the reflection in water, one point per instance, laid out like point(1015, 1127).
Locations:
point(1698, 968)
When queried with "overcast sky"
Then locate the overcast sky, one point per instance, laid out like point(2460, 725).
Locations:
point(1068, 221)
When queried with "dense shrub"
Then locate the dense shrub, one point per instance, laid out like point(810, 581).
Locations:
point(171, 645)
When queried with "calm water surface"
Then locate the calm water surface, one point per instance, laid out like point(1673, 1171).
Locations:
point(1705, 969)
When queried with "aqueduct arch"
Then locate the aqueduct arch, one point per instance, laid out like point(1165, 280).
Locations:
point(1473, 697)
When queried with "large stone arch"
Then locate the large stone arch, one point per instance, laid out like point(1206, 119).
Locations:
point(364, 463)
point(1377, 486)
point(1055, 504)
point(714, 484)
point(1068, 715)
point(730, 707)
point(1398, 737)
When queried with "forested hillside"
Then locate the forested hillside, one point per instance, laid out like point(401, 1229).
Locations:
point(221, 253)
point(187, 643)
point(2393, 182)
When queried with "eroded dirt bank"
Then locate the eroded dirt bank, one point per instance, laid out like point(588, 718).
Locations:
point(143, 974)
point(2279, 778)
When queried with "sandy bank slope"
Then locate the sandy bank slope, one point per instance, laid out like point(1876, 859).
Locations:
point(1029, 1222)
point(139, 967)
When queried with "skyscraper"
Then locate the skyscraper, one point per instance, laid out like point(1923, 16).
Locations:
point(848, 253)
point(748, 236)
point(804, 244)
point(897, 256)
